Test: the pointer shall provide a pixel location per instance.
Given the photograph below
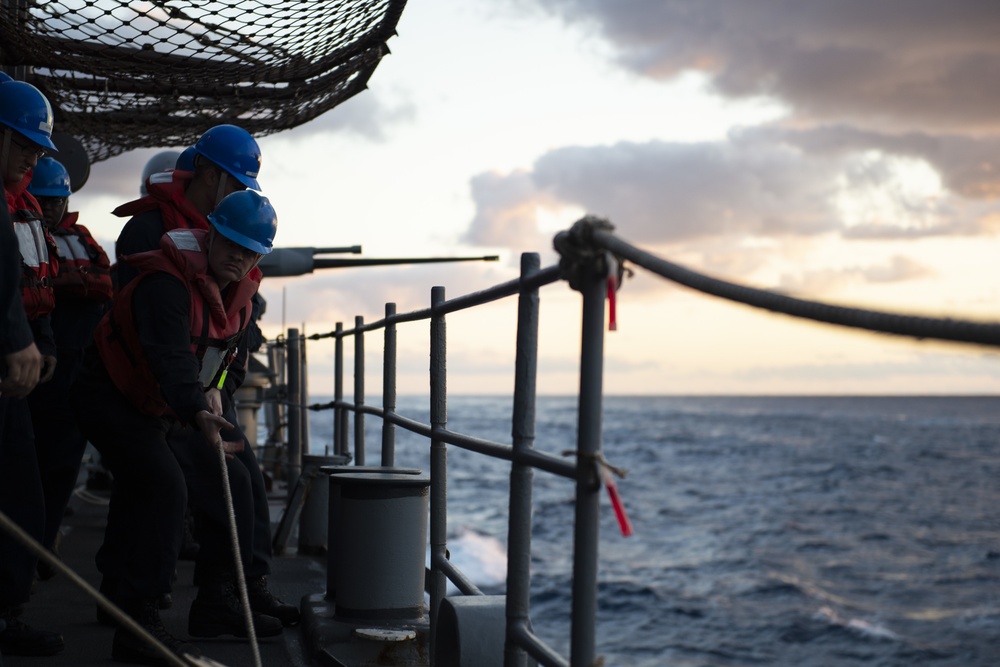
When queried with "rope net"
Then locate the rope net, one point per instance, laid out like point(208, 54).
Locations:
point(125, 74)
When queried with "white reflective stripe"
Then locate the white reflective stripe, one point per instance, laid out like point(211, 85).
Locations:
point(184, 239)
point(210, 365)
point(161, 177)
point(71, 247)
point(31, 241)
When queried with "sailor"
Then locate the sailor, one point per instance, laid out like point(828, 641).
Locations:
point(29, 355)
point(82, 291)
point(226, 159)
point(162, 358)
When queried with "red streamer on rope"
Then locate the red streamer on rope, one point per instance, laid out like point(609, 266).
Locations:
point(616, 501)
point(612, 281)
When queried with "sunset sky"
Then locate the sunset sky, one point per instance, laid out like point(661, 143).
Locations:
point(844, 151)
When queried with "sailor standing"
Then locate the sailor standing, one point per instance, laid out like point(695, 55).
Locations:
point(226, 159)
point(26, 124)
point(160, 359)
point(82, 291)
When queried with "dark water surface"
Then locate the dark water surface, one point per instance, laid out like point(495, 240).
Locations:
point(768, 531)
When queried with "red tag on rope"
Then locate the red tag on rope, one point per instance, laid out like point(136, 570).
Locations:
point(612, 282)
point(616, 501)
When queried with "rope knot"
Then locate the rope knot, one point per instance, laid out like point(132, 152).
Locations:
point(579, 257)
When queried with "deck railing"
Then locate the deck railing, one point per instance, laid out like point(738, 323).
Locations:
point(591, 256)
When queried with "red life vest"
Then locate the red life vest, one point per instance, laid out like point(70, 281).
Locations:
point(217, 324)
point(166, 192)
point(38, 256)
point(84, 267)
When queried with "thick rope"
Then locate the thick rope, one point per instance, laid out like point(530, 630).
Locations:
point(120, 617)
point(237, 559)
point(583, 247)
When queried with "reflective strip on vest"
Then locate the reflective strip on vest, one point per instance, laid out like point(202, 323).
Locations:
point(31, 241)
point(184, 240)
point(71, 247)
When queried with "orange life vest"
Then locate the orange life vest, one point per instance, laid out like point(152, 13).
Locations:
point(166, 192)
point(84, 267)
point(38, 257)
point(217, 323)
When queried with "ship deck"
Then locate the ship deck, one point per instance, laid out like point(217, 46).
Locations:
point(59, 605)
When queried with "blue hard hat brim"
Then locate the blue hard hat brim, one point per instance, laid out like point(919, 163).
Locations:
point(245, 180)
point(48, 192)
point(242, 240)
point(37, 137)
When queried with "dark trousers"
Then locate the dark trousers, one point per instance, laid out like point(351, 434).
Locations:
point(146, 516)
point(200, 463)
point(20, 499)
point(59, 444)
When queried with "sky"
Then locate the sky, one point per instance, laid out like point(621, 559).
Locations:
point(841, 151)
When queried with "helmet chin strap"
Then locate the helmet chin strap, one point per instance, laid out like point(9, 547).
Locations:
point(5, 151)
point(220, 192)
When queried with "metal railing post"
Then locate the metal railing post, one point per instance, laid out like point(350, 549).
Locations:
point(303, 395)
point(359, 391)
point(389, 388)
point(522, 474)
point(339, 413)
point(586, 530)
point(294, 453)
point(439, 456)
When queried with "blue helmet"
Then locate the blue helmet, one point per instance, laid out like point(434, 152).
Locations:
point(5, 77)
point(50, 179)
point(185, 161)
point(233, 149)
point(247, 218)
point(23, 108)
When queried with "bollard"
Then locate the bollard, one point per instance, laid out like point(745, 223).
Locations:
point(313, 534)
point(379, 553)
point(333, 510)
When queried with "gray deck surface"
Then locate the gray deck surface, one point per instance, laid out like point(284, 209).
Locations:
point(60, 606)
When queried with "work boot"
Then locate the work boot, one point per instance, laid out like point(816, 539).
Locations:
point(218, 611)
point(264, 601)
point(109, 589)
point(19, 638)
point(128, 647)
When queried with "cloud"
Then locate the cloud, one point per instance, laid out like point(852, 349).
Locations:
point(766, 182)
point(909, 63)
point(365, 115)
point(898, 268)
point(661, 192)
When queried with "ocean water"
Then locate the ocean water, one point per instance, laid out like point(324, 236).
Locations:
point(803, 531)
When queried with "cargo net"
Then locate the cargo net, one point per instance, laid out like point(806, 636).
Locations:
point(124, 74)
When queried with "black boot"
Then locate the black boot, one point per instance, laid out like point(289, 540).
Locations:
point(18, 638)
point(263, 601)
point(109, 589)
point(128, 647)
point(217, 611)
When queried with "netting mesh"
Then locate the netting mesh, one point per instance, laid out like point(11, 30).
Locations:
point(124, 74)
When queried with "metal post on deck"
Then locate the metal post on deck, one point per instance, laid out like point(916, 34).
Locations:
point(439, 456)
point(586, 532)
point(294, 453)
point(339, 413)
point(389, 387)
point(359, 390)
point(522, 474)
point(303, 395)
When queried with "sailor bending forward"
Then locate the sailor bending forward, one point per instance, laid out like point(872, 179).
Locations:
point(159, 359)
